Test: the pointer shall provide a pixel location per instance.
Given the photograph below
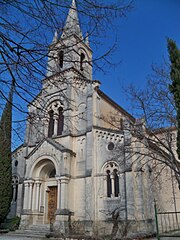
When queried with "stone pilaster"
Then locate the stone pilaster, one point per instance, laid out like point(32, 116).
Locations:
point(62, 214)
point(64, 192)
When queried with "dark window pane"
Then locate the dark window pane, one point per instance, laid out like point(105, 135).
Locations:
point(60, 121)
point(109, 187)
point(116, 183)
point(81, 61)
point(51, 124)
point(61, 59)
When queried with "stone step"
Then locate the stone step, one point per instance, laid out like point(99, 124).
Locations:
point(40, 232)
point(40, 227)
point(35, 231)
point(25, 234)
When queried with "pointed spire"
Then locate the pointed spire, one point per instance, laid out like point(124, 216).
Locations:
point(55, 38)
point(72, 22)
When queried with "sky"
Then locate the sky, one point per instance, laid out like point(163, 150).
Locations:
point(142, 42)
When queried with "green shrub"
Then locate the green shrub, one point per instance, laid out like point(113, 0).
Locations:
point(11, 224)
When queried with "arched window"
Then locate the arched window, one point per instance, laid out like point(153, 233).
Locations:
point(61, 58)
point(56, 119)
point(109, 186)
point(60, 121)
point(112, 179)
point(82, 57)
point(15, 182)
point(51, 124)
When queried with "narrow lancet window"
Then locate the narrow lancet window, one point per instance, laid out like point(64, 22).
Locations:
point(116, 183)
point(60, 121)
point(51, 124)
point(56, 119)
point(81, 61)
point(109, 186)
point(15, 182)
point(61, 58)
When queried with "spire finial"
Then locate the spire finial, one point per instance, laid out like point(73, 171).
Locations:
point(55, 38)
point(73, 3)
point(72, 25)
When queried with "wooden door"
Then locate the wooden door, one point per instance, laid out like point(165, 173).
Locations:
point(52, 203)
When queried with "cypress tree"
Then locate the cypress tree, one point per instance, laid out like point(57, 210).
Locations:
point(5, 158)
point(174, 55)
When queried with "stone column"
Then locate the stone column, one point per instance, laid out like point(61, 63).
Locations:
point(26, 194)
point(58, 192)
point(34, 197)
point(112, 185)
point(55, 125)
point(30, 194)
point(38, 184)
point(40, 197)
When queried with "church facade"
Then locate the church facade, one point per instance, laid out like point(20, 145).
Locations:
point(72, 170)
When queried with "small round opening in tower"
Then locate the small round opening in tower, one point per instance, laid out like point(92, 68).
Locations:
point(110, 146)
point(16, 163)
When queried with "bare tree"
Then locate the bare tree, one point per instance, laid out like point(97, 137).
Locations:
point(118, 223)
point(154, 133)
point(26, 29)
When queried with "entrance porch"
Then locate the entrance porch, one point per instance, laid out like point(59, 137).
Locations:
point(45, 196)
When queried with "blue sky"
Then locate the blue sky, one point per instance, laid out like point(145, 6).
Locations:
point(141, 42)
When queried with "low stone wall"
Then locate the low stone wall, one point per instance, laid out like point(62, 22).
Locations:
point(119, 229)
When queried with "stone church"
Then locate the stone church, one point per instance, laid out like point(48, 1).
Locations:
point(72, 170)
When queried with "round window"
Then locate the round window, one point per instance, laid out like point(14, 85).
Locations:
point(110, 146)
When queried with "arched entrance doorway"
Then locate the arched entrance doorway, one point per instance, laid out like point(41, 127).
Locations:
point(42, 192)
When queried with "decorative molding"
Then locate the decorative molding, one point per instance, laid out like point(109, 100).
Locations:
point(113, 137)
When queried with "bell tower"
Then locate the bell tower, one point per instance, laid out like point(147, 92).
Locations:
point(71, 50)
